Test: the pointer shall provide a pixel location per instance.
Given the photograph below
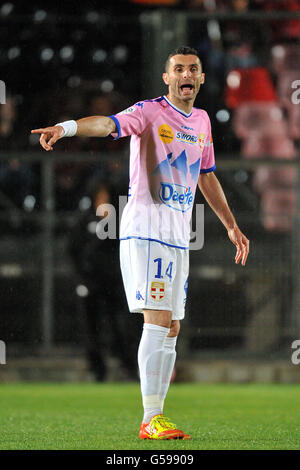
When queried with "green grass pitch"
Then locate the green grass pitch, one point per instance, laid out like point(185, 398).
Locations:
point(107, 416)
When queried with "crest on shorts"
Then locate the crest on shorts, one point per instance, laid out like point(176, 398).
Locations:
point(157, 290)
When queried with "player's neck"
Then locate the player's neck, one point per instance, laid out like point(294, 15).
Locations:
point(185, 106)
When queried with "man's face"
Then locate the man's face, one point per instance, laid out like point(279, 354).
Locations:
point(184, 77)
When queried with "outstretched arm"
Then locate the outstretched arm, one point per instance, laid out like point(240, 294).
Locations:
point(212, 191)
point(93, 126)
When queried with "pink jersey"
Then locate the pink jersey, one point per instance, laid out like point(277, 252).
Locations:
point(168, 150)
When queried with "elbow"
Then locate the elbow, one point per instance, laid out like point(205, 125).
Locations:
point(110, 127)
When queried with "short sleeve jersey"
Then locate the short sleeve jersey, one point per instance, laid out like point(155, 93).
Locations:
point(168, 150)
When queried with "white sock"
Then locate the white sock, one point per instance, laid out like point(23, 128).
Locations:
point(150, 360)
point(168, 367)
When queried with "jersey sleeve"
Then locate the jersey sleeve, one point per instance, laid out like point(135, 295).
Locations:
point(208, 155)
point(131, 121)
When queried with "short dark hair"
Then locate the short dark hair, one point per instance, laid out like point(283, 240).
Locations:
point(182, 50)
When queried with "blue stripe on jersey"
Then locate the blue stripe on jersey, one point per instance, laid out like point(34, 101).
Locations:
point(158, 241)
point(118, 126)
point(147, 280)
point(177, 109)
point(207, 170)
point(155, 100)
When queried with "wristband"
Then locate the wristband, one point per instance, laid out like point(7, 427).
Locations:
point(69, 127)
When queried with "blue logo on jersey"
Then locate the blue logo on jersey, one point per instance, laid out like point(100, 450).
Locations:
point(139, 295)
point(187, 128)
point(186, 284)
point(176, 196)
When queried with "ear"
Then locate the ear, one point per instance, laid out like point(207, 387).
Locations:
point(202, 78)
point(165, 77)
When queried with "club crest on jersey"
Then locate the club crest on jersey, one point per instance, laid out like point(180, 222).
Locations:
point(157, 290)
point(201, 140)
point(176, 196)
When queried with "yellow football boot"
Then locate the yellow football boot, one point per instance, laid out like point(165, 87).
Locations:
point(161, 427)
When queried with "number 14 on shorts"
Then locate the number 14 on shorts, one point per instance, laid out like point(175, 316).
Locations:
point(160, 268)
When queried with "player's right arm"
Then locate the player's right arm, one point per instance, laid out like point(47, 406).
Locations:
point(92, 126)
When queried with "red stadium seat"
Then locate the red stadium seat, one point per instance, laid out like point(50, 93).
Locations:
point(278, 210)
point(263, 130)
point(266, 178)
point(249, 85)
point(258, 119)
point(285, 92)
point(260, 123)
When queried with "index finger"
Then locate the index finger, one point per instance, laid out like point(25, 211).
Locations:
point(39, 131)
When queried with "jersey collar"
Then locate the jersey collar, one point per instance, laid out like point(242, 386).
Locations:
point(177, 109)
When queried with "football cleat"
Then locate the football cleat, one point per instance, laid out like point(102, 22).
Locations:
point(161, 427)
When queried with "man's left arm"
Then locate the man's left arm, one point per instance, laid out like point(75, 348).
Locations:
point(212, 190)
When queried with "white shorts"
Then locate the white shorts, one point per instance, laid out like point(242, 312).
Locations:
point(155, 276)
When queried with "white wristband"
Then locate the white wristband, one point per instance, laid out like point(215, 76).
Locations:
point(69, 127)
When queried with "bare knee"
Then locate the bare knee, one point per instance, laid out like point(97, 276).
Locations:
point(158, 317)
point(162, 318)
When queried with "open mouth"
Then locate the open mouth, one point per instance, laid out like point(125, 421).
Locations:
point(187, 88)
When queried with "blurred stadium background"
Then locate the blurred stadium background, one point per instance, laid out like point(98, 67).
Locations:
point(63, 313)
